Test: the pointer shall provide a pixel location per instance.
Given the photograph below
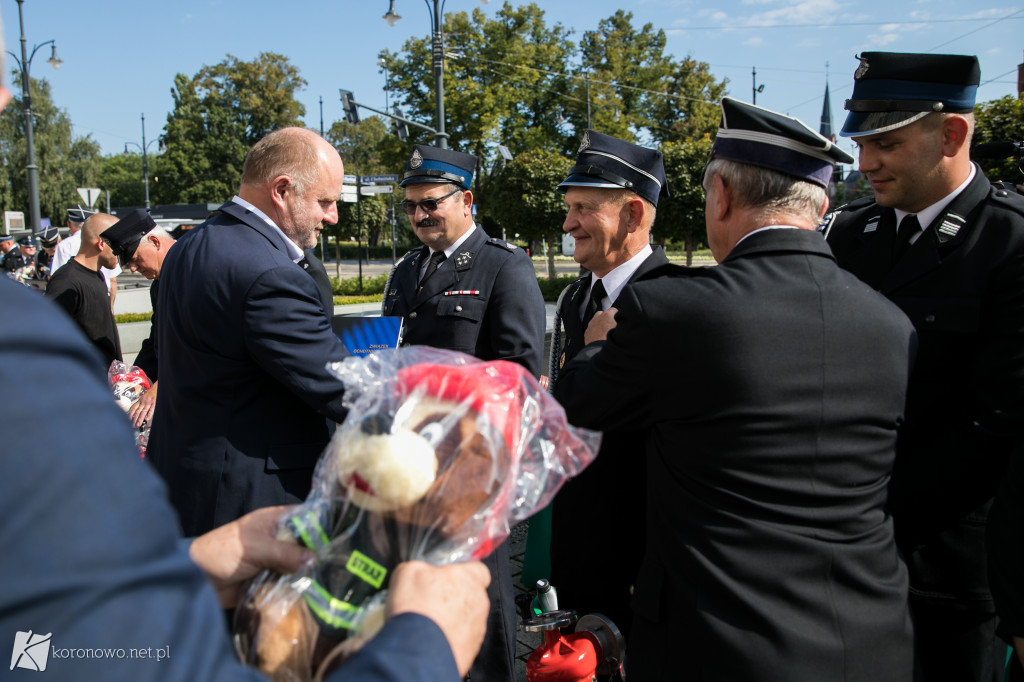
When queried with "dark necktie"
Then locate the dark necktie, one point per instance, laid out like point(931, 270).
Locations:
point(594, 304)
point(909, 226)
point(304, 263)
point(436, 259)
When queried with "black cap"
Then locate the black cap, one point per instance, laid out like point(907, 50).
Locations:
point(124, 235)
point(760, 137)
point(27, 242)
point(606, 161)
point(48, 236)
point(894, 89)
point(79, 214)
point(433, 164)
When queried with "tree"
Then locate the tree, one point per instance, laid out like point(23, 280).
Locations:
point(219, 114)
point(65, 162)
point(121, 175)
point(623, 65)
point(526, 200)
point(681, 214)
point(1001, 120)
point(505, 85)
point(689, 107)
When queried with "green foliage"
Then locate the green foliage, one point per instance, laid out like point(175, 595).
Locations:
point(1000, 120)
point(121, 175)
point(349, 286)
point(65, 162)
point(218, 115)
point(125, 318)
point(526, 200)
point(681, 214)
point(552, 287)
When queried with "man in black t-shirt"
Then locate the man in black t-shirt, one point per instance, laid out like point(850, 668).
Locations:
point(79, 288)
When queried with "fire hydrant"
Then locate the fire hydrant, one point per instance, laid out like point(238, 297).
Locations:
point(595, 647)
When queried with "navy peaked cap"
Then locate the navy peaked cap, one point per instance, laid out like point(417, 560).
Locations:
point(124, 235)
point(611, 163)
point(433, 164)
point(79, 214)
point(894, 89)
point(27, 241)
point(760, 137)
point(48, 236)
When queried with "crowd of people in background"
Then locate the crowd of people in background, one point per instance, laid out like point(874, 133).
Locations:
point(810, 460)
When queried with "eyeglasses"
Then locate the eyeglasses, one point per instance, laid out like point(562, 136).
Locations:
point(428, 205)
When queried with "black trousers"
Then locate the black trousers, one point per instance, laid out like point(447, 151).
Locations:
point(496, 660)
point(956, 640)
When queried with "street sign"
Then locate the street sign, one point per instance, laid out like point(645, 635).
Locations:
point(373, 179)
point(89, 195)
point(376, 189)
point(349, 194)
point(349, 180)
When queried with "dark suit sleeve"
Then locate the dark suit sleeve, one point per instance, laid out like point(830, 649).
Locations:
point(516, 314)
point(146, 357)
point(608, 386)
point(288, 334)
point(92, 557)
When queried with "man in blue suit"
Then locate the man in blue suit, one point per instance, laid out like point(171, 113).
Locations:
point(93, 562)
point(245, 397)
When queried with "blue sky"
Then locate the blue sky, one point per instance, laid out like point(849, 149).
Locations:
point(120, 56)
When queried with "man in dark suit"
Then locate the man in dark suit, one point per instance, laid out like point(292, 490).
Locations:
point(955, 266)
point(141, 246)
point(245, 396)
point(611, 226)
point(771, 388)
point(468, 292)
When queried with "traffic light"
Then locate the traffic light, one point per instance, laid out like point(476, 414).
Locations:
point(401, 129)
point(348, 104)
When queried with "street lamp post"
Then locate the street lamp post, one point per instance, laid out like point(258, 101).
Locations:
point(145, 162)
point(437, 54)
point(25, 64)
point(754, 87)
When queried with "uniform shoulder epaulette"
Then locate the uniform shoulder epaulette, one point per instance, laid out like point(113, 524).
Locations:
point(494, 241)
point(1006, 198)
point(849, 207)
point(407, 254)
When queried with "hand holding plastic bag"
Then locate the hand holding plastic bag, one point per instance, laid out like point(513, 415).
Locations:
point(439, 456)
point(129, 383)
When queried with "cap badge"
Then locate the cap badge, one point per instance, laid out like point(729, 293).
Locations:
point(416, 160)
point(585, 142)
point(862, 69)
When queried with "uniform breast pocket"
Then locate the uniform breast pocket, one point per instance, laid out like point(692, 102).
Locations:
point(458, 320)
point(954, 315)
point(461, 308)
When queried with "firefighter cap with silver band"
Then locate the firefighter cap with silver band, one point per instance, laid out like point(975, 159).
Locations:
point(611, 163)
point(761, 137)
point(894, 89)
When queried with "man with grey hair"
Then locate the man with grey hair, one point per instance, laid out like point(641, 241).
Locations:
point(770, 554)
point(245, 400)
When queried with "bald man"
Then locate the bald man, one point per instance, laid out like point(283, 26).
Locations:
point(81, 290)
point(245, 400)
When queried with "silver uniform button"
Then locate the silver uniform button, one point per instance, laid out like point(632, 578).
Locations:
point(412, 316)
point(458, 308)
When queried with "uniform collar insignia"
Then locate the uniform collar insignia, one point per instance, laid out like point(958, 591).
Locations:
point(463, 259)
point(416, 160)
point(871, 225)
